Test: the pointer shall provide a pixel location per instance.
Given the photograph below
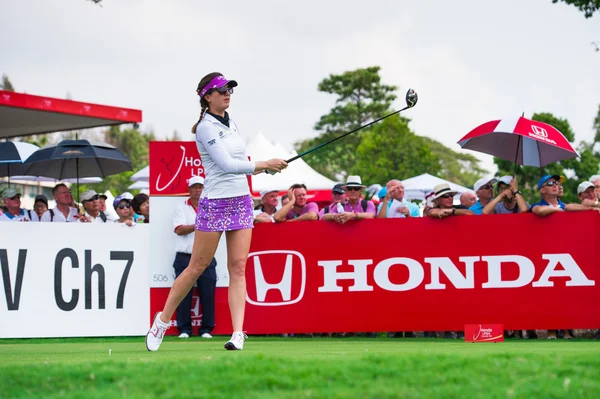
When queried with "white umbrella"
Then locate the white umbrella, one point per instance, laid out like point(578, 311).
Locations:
point(12, 155)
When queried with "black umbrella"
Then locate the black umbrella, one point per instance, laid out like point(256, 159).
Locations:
point(77, 158)
point(12, 155)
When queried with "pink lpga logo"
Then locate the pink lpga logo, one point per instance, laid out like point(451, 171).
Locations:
point(287, 272)
point(173, 175)
point(539, 131)
point(484, 333)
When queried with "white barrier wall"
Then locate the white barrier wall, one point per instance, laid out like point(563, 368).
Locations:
point(162, 244)
point(73, 280)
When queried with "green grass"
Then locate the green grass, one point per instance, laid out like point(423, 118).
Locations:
point(273, 367)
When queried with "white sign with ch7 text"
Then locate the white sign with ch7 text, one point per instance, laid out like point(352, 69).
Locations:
point(73, 280)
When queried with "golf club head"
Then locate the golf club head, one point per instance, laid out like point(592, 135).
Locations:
point(411, 98)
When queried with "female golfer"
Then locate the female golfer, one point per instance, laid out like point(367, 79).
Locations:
point(225, 206)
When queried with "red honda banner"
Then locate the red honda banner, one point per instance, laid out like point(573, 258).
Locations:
point(522, 271)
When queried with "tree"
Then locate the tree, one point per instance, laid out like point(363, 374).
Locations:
point(576, 169)
point(459, 168)
point(588, 7)
point(6, 84)
point(361, 98)
point(596, 127)
point(390, 150)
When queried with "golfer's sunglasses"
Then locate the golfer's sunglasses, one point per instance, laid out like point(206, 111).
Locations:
point(223, 90)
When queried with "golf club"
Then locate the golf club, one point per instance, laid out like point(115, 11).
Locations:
point(411, 101)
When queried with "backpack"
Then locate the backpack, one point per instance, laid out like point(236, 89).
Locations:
point(363, 204)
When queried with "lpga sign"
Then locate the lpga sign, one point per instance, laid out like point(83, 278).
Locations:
point(172, 164)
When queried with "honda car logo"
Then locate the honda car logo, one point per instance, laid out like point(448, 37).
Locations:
point(539, 131)
point(275, 278)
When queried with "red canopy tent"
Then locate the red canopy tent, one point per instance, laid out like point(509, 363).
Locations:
point(26, 114)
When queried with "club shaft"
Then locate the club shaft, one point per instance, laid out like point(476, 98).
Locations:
point(343, 135)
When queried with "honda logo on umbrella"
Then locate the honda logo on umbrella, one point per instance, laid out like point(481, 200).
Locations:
point(275, 278)
point(539, 131)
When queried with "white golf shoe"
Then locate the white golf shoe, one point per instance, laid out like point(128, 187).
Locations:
point(156, 333)
point(236, 343)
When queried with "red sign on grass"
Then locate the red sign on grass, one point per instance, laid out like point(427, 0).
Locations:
point(484, 333)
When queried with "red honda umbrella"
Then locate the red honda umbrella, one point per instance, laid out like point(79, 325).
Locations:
point(522, 140)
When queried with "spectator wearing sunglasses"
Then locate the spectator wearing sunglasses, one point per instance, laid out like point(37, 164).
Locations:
point(338, 198)
point(484, 189)
point(509, 198)
point(124, 211)
point(443, 203)
point(550, 203)
point(12, 208)
point(355, 207)
point(91, 203)
point(298, 208)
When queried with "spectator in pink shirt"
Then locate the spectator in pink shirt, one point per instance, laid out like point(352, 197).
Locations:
point(355, 208)
point(298, 208)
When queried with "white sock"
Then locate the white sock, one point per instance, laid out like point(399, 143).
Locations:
point(160, 322)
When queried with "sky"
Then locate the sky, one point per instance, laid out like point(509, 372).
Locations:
point(470, 61)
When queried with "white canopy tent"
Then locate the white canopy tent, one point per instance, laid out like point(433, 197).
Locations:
point(141, 175)
point(143, 186)
point(298, 171)
point(416, 188)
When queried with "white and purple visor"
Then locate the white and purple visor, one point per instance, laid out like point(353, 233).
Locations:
point(218, 81)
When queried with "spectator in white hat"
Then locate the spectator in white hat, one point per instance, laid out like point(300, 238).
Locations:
point(595, 180)
point(443, 201)
point(509, 198)
point(355, 208)
point(91, 203)
point(484, 189)
point(586, 192)
point(264, 212)
point(12, 208)
point(184, 220)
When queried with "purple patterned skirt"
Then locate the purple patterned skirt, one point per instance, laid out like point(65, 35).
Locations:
point(225, 214)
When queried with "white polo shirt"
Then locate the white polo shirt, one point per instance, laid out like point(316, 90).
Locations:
point(59, 217)
point(185, 214)
point(22, 217)
point(96, 219)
